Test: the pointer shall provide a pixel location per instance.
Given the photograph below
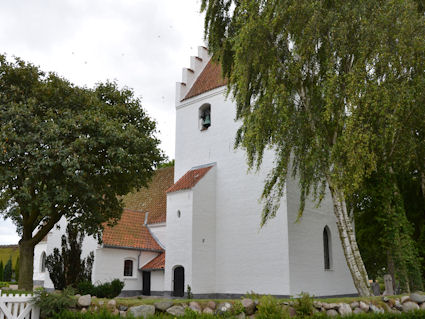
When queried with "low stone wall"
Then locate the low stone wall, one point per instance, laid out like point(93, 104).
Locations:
point(248, 307)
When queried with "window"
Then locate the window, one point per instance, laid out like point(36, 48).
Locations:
point(43, 262)
point(327, 251)
point(128, 268)
point(204, 117)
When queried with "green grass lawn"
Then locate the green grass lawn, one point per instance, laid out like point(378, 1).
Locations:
point(7, 252)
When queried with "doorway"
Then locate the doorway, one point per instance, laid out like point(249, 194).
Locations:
point(146, 283)
point(178, 289)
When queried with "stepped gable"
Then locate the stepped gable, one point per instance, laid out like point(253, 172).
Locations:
point(158, 263)
point(202, 76)
point(130, 232)
point(152, 199)
point(210, 78)
point(190, 179)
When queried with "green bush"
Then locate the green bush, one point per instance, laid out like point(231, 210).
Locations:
point(1, 270)
point(304, 305)
point(52, 304)
point(4, 284)
point(269, 308)
point(105, 290)
point(7, 272)
point(85, 288)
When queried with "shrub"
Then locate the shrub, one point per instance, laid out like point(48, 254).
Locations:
point(65, 267)
point(7, 272)
point(269, 308)
point(237, 308)
point(104, 290)
point(4, 284)
point(53, 303)
point(17, 269)
point(86, 288)
point(304, 305)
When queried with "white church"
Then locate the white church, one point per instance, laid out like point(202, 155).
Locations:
point(197, 225)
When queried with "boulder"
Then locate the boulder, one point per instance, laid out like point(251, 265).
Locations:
point(422, 306)
point(122, 308)
point(163, 305)
point(357, 311)
point(101, 302)
point(385, 299)
point(195, 306)
point(176, 311)
point(84, 310)
point(332, 313)
point(415, 297)
point(223, 308)
point(398, 305)
point(112, 303)
point(410, 306)
point(344, 309)
point(404, 299)
point(84, 301)
point(208, 311)
point(329, 306)
point(123, 313)
point(354, 305)
point(375, 309)
point(248, 305)
point(142, 311)
point(211, 304)
point(364, 306)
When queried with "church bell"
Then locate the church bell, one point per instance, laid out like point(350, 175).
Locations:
point(207, 121)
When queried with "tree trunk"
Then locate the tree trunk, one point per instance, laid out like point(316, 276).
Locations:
point(349, 243)
point(391, 267)
point(26, 265)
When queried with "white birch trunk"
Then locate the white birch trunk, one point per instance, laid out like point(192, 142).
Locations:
point(349, 243)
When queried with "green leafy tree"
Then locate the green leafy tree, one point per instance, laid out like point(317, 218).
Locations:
point(67, 152)
point(330, 86)
point(17, 269)
point(66, 268)
point(1, 270)
point(7, 273)
point(386, 239)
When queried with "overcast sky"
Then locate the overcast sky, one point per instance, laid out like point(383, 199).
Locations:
point(142, 44)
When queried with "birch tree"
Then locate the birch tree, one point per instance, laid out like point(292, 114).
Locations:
point(297, 70)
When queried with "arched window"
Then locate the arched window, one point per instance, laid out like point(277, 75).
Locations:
point(327, 248)
point(128, 268)
point(205, 117)
point(43, 262)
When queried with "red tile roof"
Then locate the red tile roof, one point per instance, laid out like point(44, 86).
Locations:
point(156, 264)
point(190, 179)
point(152, 199)
point(209, 79)
point(130, 232)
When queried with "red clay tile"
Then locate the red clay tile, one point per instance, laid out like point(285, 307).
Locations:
point(209, 79)
point(152, 199)
point(189, 180)
point(130, 232)
point(156, 264)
